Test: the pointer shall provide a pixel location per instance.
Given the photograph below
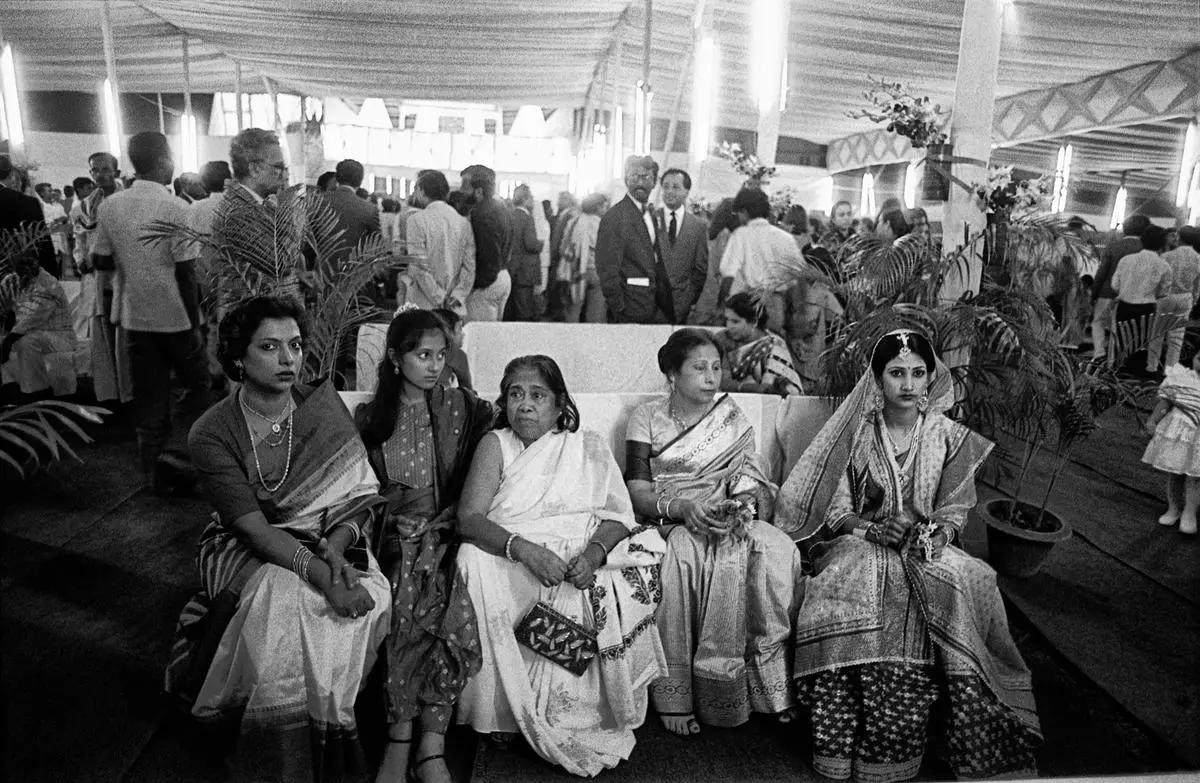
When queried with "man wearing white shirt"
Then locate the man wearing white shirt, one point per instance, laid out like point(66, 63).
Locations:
point(443, 245)
point(56, 221)
point(1179, 301)
point(757, 253)
point(1141, 279)
point(684, 243)
point(159, 309)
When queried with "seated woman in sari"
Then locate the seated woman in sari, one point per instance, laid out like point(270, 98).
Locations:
point(280, 638)
point(756, 360)
point(731, 582)
point(420, 438)
point(895, 617)
point(548, 526)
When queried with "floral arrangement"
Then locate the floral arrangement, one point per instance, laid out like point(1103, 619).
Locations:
point(745, 164)
point(1003, 194)
point(905, 115)
point(782, 198)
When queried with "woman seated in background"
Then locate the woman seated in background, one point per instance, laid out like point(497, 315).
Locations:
point(293, 606)
point(895, 617)
point(548, 554)
point(731, 582)
point(757, 361)
point(420, 438)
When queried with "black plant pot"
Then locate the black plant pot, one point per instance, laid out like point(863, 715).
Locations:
point(935, 185)
point(1018, 551)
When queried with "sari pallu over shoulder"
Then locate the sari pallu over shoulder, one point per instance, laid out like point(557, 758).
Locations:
point(714, 459)
point(330, 481)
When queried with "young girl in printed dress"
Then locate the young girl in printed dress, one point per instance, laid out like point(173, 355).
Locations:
point(1175, 447)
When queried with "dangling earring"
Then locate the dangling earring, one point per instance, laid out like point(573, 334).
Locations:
point(396, 368)
point(241, 370)
point(923, 403)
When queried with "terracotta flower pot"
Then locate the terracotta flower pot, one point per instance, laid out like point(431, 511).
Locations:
point(1018, 551)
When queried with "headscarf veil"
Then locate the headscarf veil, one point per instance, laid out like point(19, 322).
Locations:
point(806, 494)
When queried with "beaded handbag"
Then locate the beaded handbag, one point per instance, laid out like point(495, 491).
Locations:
point(558, 638)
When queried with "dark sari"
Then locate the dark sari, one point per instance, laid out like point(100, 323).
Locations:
point(433, 646)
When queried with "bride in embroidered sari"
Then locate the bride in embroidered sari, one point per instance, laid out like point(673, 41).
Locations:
point(293, 606)
point(550, 536)
point(895, 618)
point(731, 582)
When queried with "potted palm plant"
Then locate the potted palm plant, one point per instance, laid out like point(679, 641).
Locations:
point(264, 251)
point(35, 434)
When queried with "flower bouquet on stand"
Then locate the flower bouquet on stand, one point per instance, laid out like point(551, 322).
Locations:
point(916, 119)
point(754, 170)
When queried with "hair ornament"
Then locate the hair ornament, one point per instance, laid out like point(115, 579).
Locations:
point(407, 307)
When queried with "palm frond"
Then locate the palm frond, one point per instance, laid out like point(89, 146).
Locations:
point(30, 434)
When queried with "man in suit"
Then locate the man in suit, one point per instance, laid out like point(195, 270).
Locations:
point(684, 245)
point(635, 283)
point(526, 264)
point(357, 217)
point(18, 210)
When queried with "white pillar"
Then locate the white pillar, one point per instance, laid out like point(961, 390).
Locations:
point(769, 47)
point(971, 130)
point(1187, 184)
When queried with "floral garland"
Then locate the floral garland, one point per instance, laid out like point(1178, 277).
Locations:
point(745, 164)
point(905, 115)
point(1002, 194)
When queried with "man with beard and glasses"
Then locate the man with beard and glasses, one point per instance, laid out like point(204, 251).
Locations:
point(635, 282)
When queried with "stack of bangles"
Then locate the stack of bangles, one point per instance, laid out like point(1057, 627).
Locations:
point(870, 532)
point(354, 530)
point(664, 515)
point(300, 562)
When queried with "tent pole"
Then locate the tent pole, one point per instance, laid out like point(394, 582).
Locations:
point(688, 61)
point(110, 64)
point(162, 117)
point(237, 88)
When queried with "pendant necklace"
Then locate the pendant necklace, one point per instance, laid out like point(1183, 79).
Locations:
point(276, 424)
point(287, 465)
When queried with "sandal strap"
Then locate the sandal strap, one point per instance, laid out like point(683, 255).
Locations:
point(417, 766)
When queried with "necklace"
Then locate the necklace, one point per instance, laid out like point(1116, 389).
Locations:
point(907, 440)
point(287, 465)
point(276, 424)
point(680, 422)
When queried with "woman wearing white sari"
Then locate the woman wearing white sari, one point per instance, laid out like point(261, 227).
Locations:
point(547, 528)
point(896, 619)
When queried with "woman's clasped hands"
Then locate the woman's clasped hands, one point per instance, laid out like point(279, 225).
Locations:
point(345, 595)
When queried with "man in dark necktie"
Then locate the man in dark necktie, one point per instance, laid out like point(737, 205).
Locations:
point(685, 251)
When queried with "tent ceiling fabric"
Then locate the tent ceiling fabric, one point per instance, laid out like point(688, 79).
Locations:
point(508, 52)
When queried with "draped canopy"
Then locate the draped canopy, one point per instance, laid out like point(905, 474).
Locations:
point(554, 53)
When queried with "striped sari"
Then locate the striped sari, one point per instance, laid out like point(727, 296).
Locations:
point(259, 647)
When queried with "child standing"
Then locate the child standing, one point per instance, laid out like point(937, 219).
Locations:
point(457, 371)
point(1175, 447)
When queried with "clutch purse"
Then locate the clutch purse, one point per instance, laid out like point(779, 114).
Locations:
point(558, 638)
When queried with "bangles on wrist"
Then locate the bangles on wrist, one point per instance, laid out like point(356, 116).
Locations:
point(603, 550)
point(658, 506)
point(508, 553)
point(300, 562)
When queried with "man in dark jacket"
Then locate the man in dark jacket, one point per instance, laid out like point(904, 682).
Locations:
point(635, 282)
point(18, 210)
point(526, 264)
point(490, 223)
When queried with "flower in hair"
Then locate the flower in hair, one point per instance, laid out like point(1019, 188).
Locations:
point(407, 307)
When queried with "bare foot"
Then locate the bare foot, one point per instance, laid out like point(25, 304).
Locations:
point(683, 725)
point(394, 767)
